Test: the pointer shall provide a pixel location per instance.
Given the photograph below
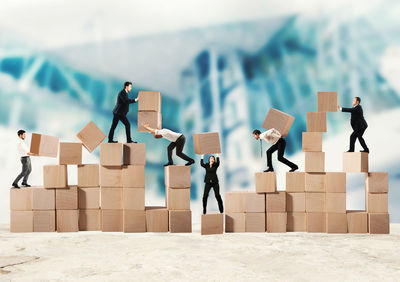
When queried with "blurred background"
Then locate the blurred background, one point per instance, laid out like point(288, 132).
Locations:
point(220, 66)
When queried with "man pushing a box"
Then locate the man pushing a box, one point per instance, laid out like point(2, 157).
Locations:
point(24, 153)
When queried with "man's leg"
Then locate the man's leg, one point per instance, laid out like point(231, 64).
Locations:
point(170, 147)
point(362, 141)
point(125, 121)
point(23, 172)
point(218, 197)
point(281, 158)
point(113, 126)
point(271, 149)
point(28, 172)
point(353, 138)
point(207, 188)
point(180, 144)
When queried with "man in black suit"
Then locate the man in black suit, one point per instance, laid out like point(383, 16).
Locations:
point(120, 111)
point(358, 124)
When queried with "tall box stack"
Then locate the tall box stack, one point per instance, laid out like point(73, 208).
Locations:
point(335, 202)
point(377, 188)
point(149, 110)
point(296, 201)
point(89, 197)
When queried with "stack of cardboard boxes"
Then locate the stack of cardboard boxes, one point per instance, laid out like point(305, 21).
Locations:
point(149, 110)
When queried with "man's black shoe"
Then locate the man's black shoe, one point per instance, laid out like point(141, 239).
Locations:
point(350, 151)
point(168, 164)
point(204, 211)
point(15, 186)
point(26, 185)
point(189, 163)
point(364, 151)
point(270, 169)
point(130, 141)
point(112, 141)
point(294, 169)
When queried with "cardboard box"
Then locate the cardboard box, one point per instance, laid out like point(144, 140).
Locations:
point(377, 203)
point(70, 153)
point(157, 219)
point(178, 199)
point(67, 199)
point(327, 102)
point(149, 101)
point(67, 220)
point(88, 175)
point(91, 136)
point(111, 176)
point(315, 182)
point(296, 222)
point(235, 202)
point(55, 176)
point(355, 162)
point(111, 198)
point(206, 143)
point(90, 220)
point(180, 221)
point(44, 145)
point(89, 198)
point(212, 223)
point(314, 161)
point(278, 120)
point(255, 202)
point(276, 222)
point(235, 222)
point(335, 182)
point(315, 202)
point(111, 154)
point(295, 182)
point(134, 221)
point(153, 119)
point(265, 182)
point(296, 202)
point(255, 222)
point(111, 220)
point(133, 176)
point(335, 202)
point(44, 221)
point(276, 202)
point(316, 122)
point(43, 199)
point(312, 142)
point(336, 223)
point(21, 199)
point(378, 223)
point(134, 153)
point(377, 182)
point(357, 222)
point(177, 176)
point(21, 221)
point(133, 199)
point(316, 222)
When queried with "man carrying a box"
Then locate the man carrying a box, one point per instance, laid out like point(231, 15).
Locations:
point(23, 152)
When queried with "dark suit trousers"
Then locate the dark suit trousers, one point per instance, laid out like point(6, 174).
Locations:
point(207, 189)
point(280, 146)
point(115, 121)
point(179, 144)
point(358, 133)
point(26, 170)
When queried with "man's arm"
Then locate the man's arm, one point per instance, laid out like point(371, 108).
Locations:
point(217, 161)
point(125, 99)
point(202, 162)
point(151, 130)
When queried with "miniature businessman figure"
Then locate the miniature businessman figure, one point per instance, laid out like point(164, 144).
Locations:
point(358, 124)
point(23, 152)
point(274, 137)
point(211, 181)
point(120, 111)
point(177, 140)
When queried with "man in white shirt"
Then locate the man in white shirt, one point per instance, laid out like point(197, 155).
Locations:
point(274, 137)
point(23, 152)
point(177, 140)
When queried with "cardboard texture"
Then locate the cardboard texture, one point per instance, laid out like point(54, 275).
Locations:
point(335, 202)
point(89, 198)
point(206, 143)
point(44, 145)
point(134, 153)
point(21, 199)
point(133, 199)
point(276, 222)
point(153, 119)
point(314, 161)
point(357, 222)
point(149, 101)
point(90, 220)
point(296, 222)
point(157, 219)
point(377, 182)
point(295, 182)
point(316, 222)
point(44, 221)
point(377, 203)
point(67, 220)
point(278, 120)
point(134, 221)
point(235, 222)
point(111, 220)
point(255, 222)
point(327, 102)
point(316, 122)
point(88, 175)
point(312, 142)
point(67, 198)
point(355, 162)
point(378, 223)
point(91, 136)
point(55, 176)
point(296, 202)
point(133, 176)
point(111, 154)
point(70, 153)
point(43, 199)
point(335, 182)
point(315, 202)
point(111, 198)
point(21, 221)
point(212, 223)
point(276, 202)
point(178, 199)
point(111, 176)
point(177, 176)
point(315, 182)
point(265, 182)
point(336, 223)
point(235, 202)
point(254, 202)
point(180, 221)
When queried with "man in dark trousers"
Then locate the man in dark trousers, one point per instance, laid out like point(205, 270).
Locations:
point(358, 124)
point(23, 152)
point(120, 111)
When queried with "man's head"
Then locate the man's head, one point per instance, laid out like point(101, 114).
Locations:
point(21, 134)
point(356, 101)
point(256, 134)
point(128, 86)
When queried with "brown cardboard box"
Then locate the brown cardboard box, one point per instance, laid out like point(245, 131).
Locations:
point(55, 176)
point(44, 221)
point(111, 198)
point(265, 182)
point(111, 154)
point(44, 145)
point(316, 122)
point(153, 119)
point(67, 220)
point(327, 102)
point(90, 220)
point(91, 136)
point(276, 222)
point(316, 222)
point(315, 202)
point(134, 153)
point(278, 120)
point(156, 219)
point(235, 222)
point(312, 142)
point(133, 176)
point(21, 221)
point(212, 223)
point(21, 199)
point(111, 176)
point(206, 143)
point(177, 176)
point(276, 202)
point(295, 182)
point(178, 199)
point(149, 101)
point(377, 203)
point(377, 182)
point(235, 202)
point(255, 202)
point(336, 223)
point(43, 199)
point(355, 162)
point(378, 223)
point(67, 199)
point(315, 182)
point(180, 221)
point(335, 182)
point(314, 161)
point(88, 175)
point(296, 202)
point(133, 199)
point(111, 220)
point(70, 153)
point(357, 222)
point(255, 222)
point(134, 221)
point(89, 198)
point(335, 202)
point(296, 222)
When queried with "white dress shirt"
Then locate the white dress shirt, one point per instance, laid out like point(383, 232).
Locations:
point(168, 134)
point(22, 148)
point(271, 136)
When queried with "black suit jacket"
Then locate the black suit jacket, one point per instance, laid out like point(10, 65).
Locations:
point(357, 120)
point(123, 101)
point(211, 172)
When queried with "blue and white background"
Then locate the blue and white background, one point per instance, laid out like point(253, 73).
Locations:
point(220, 66)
